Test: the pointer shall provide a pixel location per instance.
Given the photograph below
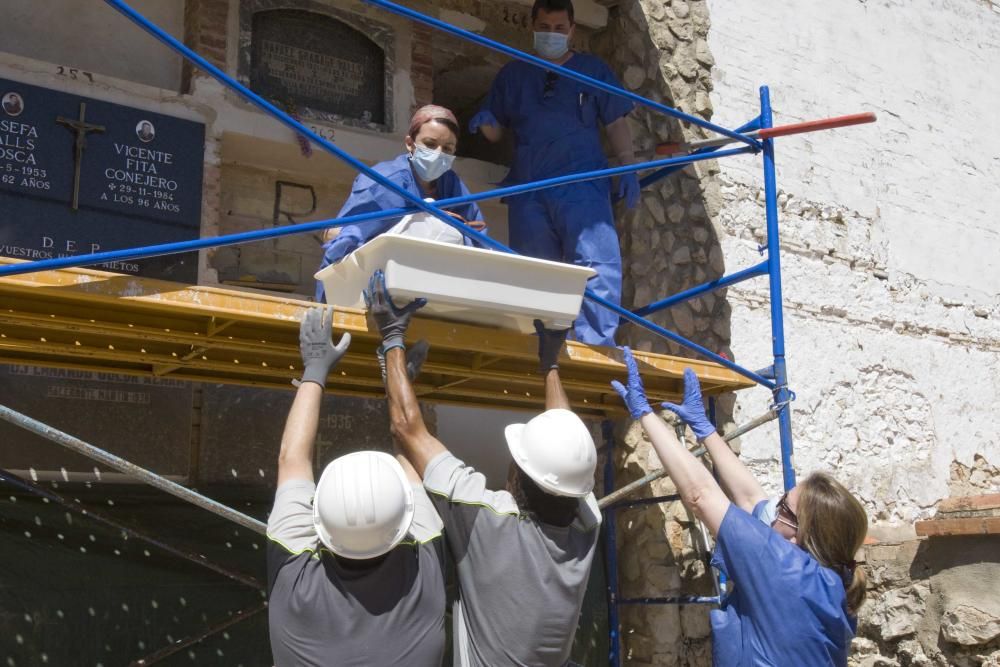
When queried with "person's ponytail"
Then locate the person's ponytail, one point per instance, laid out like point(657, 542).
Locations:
point(857, 589)
point(832, 528)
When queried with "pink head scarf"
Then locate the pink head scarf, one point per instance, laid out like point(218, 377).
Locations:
point(428, 113)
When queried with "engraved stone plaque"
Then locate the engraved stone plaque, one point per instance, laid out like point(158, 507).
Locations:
point(143, 419)
point(306, 59)
point(241, 431)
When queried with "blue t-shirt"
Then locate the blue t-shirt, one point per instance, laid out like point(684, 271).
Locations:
point(554, 119)
point(785, 608)
point(367, 196)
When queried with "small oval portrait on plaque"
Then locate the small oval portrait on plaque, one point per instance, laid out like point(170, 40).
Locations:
point(12, 104)
point(145, 131)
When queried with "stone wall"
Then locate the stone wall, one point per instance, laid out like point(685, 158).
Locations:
point(659, 51)
point(891, 292)
point(929, 605)
point(889, 245)
point(669, 244)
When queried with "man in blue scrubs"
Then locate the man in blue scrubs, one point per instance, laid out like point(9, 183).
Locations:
point(556, 123)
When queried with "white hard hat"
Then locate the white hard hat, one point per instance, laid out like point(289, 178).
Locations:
point(363, 505)
point(555, 449)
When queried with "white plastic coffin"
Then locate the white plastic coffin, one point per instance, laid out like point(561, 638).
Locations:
point(461, 283)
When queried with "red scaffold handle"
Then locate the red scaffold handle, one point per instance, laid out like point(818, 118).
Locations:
point(771, 132)
point(815, 125)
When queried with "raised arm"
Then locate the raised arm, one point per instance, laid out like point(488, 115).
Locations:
point(295, 460)
point(555, 395)
point(741, 486)
point(550, 344)
point(695, 484)
point(406, 421)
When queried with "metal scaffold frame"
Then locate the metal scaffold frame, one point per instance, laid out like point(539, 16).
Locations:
point(755, 136)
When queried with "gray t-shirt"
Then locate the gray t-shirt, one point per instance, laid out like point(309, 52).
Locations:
point(321, 613)
point(521, 582)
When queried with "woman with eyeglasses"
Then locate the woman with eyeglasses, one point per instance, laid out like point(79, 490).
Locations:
point(423, 169)
point(796, 587)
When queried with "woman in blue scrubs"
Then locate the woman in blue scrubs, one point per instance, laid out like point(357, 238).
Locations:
point(424, 170)
point(796, 587)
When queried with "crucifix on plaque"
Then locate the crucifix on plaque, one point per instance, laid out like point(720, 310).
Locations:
point(81, 128)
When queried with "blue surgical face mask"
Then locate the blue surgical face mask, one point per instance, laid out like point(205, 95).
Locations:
point(769, 512)
point(551, 45)
point(430, 164)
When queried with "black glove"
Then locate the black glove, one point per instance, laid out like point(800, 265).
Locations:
point(316, 345)
point(390, 320)
point(550, 344)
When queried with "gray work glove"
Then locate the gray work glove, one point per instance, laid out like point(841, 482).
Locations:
point(390, 320)
point(319, 354)
point(550, 344)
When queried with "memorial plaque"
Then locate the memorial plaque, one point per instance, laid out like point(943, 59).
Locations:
point(145, 420)
point(79, 175)
point(315, 61)
point(241, 431)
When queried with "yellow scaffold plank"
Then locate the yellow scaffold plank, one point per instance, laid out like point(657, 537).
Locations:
point(97, 321)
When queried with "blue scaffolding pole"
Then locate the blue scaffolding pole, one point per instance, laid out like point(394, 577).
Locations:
point(611, 547)
point(773, 378)
point(771, 267)
point(782, 396)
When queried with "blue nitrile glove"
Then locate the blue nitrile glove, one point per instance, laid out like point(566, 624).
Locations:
point(390, 320)
point(319, 354)
point(628, 189)
point(692, 410)
point(484, 117)
point(634, 395)
point(550, 344)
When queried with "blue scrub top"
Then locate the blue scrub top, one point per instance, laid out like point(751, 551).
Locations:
point(785, 609)
point(554, 120)
point(368, 196)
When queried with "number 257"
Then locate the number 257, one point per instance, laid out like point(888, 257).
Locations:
point(74, 73)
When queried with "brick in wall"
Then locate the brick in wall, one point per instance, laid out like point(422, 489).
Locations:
point(205, 24)
point(422, 66)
